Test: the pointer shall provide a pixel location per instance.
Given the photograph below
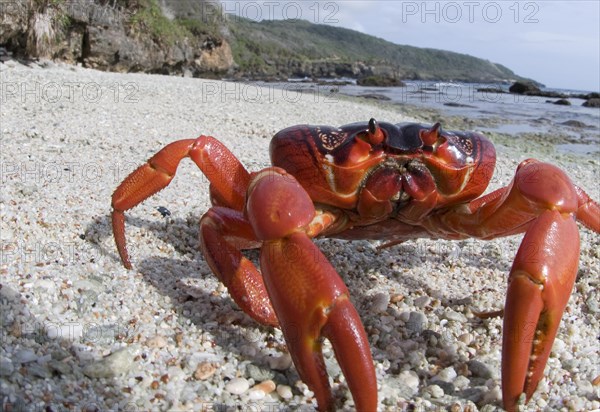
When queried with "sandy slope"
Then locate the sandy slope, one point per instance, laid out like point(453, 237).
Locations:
point(70, 135)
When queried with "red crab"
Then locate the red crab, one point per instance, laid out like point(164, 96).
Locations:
point(374, 180)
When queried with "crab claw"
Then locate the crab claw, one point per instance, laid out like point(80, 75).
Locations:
point(309, 297)
point(539, 287)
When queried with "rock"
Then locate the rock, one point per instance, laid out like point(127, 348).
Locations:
point(435, 391)
point(447, 374)
point(25, 356)
point(59, 367)
point(259, 374)
point(112, 365)
point(41, 371)
point(454, 104)
point(284, 391)
point(237, 386)
point(380, 81)
point(562, 102)
point(6, 366)
point(280, 363)
point(410, 379)
point(524, 88)
point(266, 387)
point(416, 322)
point(375, 96)
point(479, 369)
point(157, 341)
point(205, 370)
point(575, 123)
point(422, 301)
point(593, 102)
point(380, 302)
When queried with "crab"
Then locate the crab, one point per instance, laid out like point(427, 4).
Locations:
point(383, 181)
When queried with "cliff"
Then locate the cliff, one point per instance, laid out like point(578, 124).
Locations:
point(195, 38)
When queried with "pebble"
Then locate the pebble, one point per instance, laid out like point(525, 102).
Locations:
point(237, 386)
point(6, 366)
point(422, 301)
point(380, 302)
point(205, 370)
point(262, 389)
point(258, 373)
point(157, 341)
point(284, 391)
point(410, 379)
point(41, 371)
point(280, 363)
point(454, 316)
point(416, 322)
point(447, 374)
point(435, 391)
point(25, 356)
point(112, 365)
point(62, 368)
point(493, 395)
point(479, 369)
point(461, 382)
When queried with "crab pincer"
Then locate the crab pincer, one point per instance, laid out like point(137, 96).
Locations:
point(309, 297)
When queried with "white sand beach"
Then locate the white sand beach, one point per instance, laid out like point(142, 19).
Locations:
point(80, 332)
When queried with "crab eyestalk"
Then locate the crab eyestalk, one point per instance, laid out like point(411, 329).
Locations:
point(431, 136)
point(375, 134)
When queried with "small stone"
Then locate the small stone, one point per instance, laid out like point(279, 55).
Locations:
point(205, 370)
point(410, 378)
point(479, 369)
point(422, 301)
point(461, 382)
point(380, 302)
point(280, 363)
point(435, 391)
point(447, 374)
point(596, 381)
point(267, 386)
point(59, 367)
point(466, 338)
point(259, 374)
point(416, 322)
point(396, 297)
point(284, 391)
point(454, 316)
point(41, 371)
point(112, 365)
point(6, 366)
point(25, 356)
point(157, 341)
point(179, 339)
point(237, 386)
point(493, 395)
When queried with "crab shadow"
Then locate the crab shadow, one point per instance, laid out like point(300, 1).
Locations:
point(189, 283)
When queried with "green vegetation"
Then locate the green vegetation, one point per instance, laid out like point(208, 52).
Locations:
point(269, 45)
point(150, 18)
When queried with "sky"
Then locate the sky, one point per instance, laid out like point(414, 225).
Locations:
point(554, 42)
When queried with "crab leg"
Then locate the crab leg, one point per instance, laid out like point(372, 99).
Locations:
point(539, 286)
point(223, 232)
point(226, 174)
point(309, 297)
point(542, 202)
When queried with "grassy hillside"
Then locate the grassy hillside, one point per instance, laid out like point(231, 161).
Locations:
point(273, 44)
